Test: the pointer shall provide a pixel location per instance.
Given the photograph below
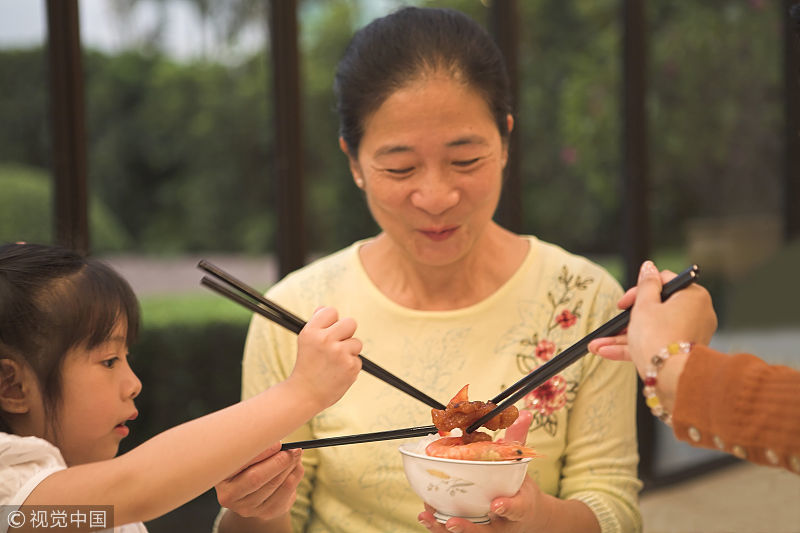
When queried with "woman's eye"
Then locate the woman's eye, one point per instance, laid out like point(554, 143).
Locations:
point(399, 171)
point(466, 162)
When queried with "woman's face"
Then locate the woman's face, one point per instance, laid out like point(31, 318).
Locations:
point(431, 163)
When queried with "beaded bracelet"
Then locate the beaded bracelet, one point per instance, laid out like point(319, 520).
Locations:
point(651, 375)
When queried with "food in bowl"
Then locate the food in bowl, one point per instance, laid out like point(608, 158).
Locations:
point(460, 413)
point(459, 488)
point(460, 474)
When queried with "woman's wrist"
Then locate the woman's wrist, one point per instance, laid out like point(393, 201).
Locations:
point(661, 379)
point(554, 514)
point(670, 375)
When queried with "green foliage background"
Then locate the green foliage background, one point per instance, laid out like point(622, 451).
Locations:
point(181, 153)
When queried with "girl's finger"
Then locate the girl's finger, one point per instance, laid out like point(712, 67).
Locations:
point(353, 345)
point(343, 329)
point(323, 317)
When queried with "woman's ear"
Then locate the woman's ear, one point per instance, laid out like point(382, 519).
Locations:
point(355, 168)
point(15, 387)
point(510, 124)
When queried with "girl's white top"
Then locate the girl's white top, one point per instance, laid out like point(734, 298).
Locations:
point(24, 463)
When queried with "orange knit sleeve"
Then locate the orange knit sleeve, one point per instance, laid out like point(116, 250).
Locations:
point(741, 405)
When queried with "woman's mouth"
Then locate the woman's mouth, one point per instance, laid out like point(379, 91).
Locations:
point(439, 234)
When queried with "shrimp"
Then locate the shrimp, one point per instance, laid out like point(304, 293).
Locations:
point(482, 450)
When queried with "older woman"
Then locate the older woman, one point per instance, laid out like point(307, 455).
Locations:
point(443, 297)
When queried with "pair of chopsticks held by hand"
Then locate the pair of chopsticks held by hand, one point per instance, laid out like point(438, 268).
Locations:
point(251, 299)
point(561, 361)
point(246, 296)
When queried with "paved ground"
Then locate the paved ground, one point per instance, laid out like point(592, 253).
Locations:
point(743, 498)
point(150, 276)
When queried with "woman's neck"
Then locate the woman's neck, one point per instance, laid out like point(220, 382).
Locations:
point(494, 258)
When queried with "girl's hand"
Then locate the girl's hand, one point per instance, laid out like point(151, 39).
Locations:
point(327, 357)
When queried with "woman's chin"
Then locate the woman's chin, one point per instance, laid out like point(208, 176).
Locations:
point(441, 253)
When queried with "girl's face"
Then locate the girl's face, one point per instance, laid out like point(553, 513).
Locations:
point(98, 388)
point(431, 162)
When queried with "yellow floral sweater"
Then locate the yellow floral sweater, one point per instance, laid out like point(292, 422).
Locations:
point(583, 419)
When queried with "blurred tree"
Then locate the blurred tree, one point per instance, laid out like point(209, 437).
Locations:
point(570, 91)
point(326, 29)
point(227, 20)
point(715, 110)
point(180, 150)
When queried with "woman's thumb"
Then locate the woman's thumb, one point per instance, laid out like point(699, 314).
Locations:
point(518, 431)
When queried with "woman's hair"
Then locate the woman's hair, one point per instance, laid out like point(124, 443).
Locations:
point(52, 300)
point(400, 48)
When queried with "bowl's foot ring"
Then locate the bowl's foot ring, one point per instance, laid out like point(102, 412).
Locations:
point(442, 518)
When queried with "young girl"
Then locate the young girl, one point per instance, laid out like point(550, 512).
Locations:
point(67, 391)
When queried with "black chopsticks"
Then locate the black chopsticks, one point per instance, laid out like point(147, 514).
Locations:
point(561, 361)
point(362, 437)
point(254, 301)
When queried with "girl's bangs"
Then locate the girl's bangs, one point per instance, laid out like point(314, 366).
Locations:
point(91, 303)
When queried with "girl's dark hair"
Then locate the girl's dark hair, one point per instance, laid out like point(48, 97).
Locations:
point(392, 51)
point(52, 300)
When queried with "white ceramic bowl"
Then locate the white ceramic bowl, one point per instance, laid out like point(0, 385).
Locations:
point(461, 488)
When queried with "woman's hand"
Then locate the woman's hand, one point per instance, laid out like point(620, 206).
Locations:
point(687, 315)
point(263, 490)
point(521, 513)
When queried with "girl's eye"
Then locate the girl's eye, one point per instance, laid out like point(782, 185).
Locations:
point(109, 363)
point(466, 162)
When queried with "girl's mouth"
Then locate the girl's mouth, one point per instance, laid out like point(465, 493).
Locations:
point(122, 429)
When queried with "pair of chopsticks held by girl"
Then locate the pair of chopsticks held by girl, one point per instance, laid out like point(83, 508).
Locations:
point(67, 391)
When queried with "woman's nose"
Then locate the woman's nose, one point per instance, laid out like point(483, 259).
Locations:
point(435, 194)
